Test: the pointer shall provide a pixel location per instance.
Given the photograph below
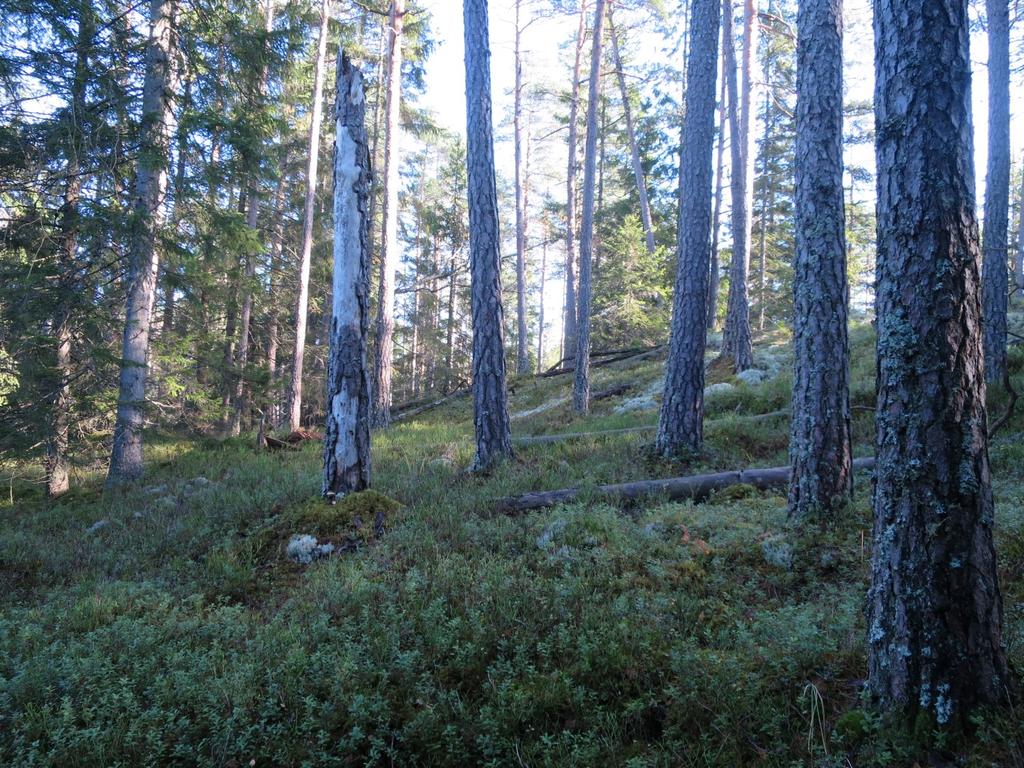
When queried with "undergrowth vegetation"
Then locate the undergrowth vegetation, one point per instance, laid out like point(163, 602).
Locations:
point(165, 625)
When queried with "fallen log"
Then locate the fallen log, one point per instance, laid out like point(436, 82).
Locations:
point(615, 391)
point(431, 405)
point(541, 439)
point(601, 361)
point(695, 487)
point(594, 355)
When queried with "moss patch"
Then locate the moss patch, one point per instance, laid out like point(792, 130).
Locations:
point(364, 515)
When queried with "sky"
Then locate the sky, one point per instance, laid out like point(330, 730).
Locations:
point(543, 42)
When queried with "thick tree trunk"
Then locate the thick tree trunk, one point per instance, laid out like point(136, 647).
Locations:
point(490, 398)
point(681, 424)
point(571, 309)
point(736, 341)
point(716, 216)
point(302, 301)
point(934, 607)
point(820, 442)
point(158, 123)
point(347, 437)
point(634, 148)
point(581, 385)
point(58, 429)
point(995, 267)
point(384, 349)
point(521, 139)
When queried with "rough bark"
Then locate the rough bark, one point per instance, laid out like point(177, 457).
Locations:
point(581, 385)
point(820, 440)
point(157, 127)
point(716, 216)
point(934, 607)
point(681, 423)
point(571, 309)
point(302, 300)
point(696, 487)
point(634, 148)
point(522, 354)
point(995, 265)
point(736, 342)
point(347, 437)
point(384, 348)
point(490, 398)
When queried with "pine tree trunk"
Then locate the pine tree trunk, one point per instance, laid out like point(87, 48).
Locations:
point(385, 343)
point(522, 355)
point(716, 216)
point(490, 398)
point(581, 384)
point(58, 429)
point(767, 203)
point(934, 607)
point(302, 302)
point(158, 124)
point(449, 353)
point(995, 278)
point(347, 437)
point(681, 424)
point(736, 341)
point(820, 441)
point(634, 148)
point(570, 310)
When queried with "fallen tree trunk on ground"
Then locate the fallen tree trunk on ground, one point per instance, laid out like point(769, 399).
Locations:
point(696, 487)
point(431, 405)
point(603, 360)
point(541, 439)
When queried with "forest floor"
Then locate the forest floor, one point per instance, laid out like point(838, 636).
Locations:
point(165, 624)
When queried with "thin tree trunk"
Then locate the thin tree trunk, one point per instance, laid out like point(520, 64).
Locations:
point(252, 217)
point(273, 320)
point(347, 437)
point(449, 354)
point(167, 322)
point(540, 307)
point(581, 385)
point(820, 443)
point(385, 346)
point(716, 216)
point(681, 423)
point(737, 341)
point(766, 204)
point(490, 398)
point(522, 355)
point(570, 310)
point(634, 148)
point(302, 303)
point(995, 278)
point(58, 431)
point(1020, 233)
point(935, 645)
point(158, 123)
